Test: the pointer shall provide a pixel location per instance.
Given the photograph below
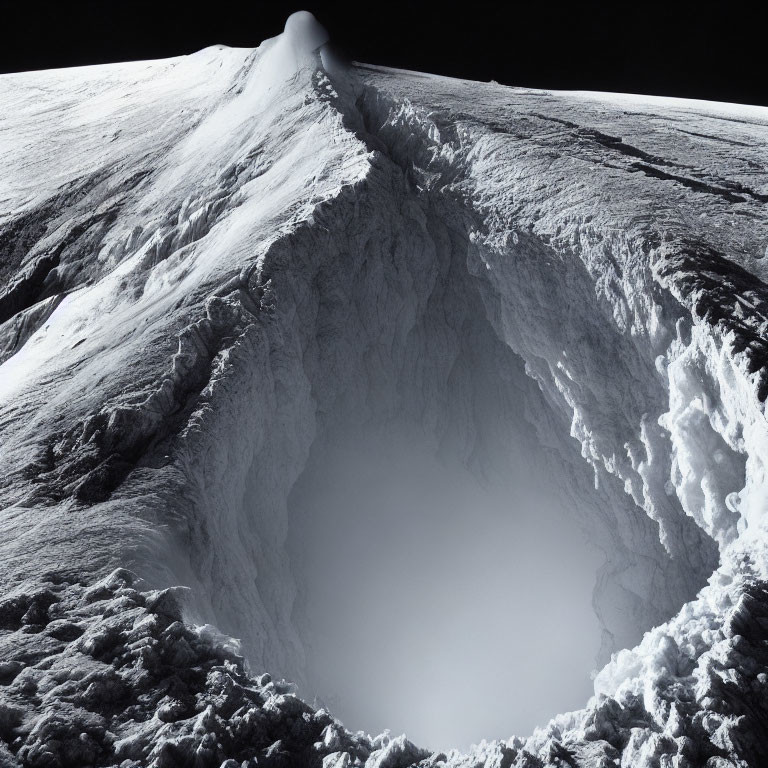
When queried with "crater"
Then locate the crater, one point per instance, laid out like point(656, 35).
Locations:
point(404, 523)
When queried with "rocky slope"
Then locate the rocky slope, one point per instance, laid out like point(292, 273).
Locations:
point(215, 267)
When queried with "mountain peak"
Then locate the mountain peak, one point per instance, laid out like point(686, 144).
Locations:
point(304, 32)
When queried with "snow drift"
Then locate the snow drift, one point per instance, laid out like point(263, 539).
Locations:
point(218, 270)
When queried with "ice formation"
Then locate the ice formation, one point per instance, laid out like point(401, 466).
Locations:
point(215, 266)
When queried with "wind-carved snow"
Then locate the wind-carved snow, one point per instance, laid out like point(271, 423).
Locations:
point(215, 267)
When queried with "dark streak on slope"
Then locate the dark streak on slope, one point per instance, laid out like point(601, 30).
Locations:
point(90, 460)
point(26, 290)
point(730, 190)
point(617, 144)
point(700, 186)
point(32, 271)
point(721, 139)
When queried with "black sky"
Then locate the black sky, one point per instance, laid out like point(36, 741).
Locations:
point(700, 50)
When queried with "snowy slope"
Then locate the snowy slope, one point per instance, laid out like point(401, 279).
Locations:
point(216, 268)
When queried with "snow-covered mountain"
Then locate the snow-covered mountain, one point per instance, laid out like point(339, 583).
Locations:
point(216, 270)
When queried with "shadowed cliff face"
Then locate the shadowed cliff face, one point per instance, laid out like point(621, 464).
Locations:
point(234, 302)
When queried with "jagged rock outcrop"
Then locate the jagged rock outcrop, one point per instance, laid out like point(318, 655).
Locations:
point(221, 263)
point(108, 674)
point(105, 674)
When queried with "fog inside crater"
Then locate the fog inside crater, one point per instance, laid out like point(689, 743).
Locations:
point(438, 604)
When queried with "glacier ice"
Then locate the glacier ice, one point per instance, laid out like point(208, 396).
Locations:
point(221, 271)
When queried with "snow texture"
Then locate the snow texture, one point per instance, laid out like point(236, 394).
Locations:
point(212, 265)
